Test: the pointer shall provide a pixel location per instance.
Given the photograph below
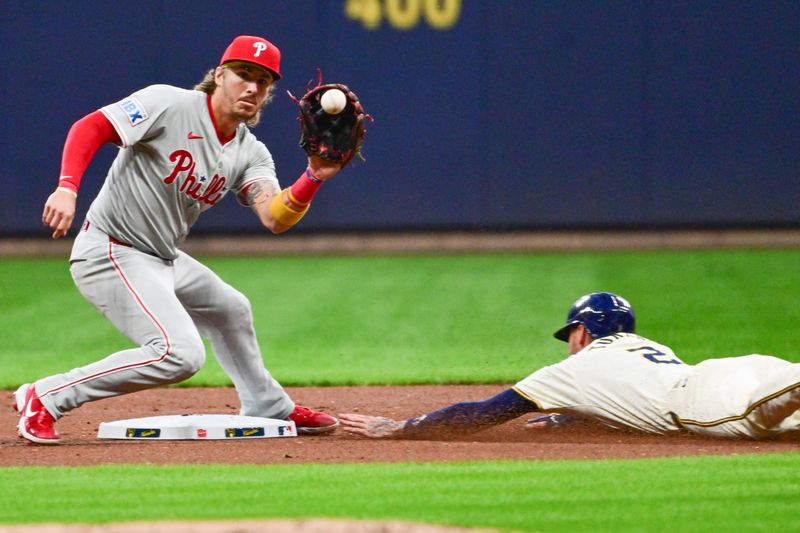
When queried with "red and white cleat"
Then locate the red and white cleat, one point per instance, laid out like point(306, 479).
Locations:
point(19, 397)
point(36, 424)
point(312, 422)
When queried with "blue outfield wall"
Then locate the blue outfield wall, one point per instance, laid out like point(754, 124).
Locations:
point(488, 114)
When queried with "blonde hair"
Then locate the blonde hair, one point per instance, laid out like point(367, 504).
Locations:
point(208, 85)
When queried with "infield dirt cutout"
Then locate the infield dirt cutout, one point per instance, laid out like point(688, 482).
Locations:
point(511, 440)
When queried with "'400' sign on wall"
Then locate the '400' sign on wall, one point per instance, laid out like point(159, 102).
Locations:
point(404, 14)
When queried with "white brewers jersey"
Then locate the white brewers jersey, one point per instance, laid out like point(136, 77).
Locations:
point(171, 167)
point(622, 379)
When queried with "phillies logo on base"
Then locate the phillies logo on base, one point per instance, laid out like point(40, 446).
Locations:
point(192, 184)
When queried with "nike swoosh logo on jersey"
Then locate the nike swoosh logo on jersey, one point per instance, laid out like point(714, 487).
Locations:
point(193, 136)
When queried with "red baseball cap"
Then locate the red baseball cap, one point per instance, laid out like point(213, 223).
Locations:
point(254, 50)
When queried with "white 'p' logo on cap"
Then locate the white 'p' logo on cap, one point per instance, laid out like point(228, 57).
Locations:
point(260, 47)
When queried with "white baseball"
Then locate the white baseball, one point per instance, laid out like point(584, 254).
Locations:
point(333, 101)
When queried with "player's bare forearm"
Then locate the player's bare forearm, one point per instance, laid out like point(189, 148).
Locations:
point(258, 198)
point(280, 210)
point(59, 212)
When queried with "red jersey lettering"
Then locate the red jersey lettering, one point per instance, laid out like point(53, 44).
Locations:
point(191, 185)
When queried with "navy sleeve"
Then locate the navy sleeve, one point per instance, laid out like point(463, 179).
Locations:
point(469, 417)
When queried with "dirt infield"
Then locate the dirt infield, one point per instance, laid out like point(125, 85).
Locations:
point(508, 441)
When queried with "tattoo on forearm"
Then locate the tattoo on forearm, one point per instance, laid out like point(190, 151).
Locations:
point(384, 427)
point(255, 194)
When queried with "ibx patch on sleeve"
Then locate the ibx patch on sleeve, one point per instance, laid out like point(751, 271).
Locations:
point(134, 110)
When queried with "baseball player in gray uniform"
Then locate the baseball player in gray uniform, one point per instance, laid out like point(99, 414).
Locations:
point(181, 151)
point(625, 381)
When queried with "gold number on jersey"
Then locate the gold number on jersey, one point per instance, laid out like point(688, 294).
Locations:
point(655, 355)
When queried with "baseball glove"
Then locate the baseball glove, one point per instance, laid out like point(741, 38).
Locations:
point(336, 137)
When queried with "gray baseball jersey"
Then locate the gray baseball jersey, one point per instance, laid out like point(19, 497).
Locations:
point(629, 381)
point(171, 168)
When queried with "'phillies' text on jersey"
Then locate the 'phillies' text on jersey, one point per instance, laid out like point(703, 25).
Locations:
point(191, 185)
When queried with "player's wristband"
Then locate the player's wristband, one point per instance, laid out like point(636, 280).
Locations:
point(304, 189)
point(287, 215)
point(67, 190)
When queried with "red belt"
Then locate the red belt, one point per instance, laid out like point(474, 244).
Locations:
point(111, 239)
point(114, 240)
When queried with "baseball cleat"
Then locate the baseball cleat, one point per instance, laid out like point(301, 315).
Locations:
point(19, 397)
point(36, 424)
point(311, 422)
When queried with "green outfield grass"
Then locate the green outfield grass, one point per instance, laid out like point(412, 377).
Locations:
point(745, 493)
point(429, 319)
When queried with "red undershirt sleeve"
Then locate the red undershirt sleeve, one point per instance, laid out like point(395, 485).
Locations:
point(85, 137)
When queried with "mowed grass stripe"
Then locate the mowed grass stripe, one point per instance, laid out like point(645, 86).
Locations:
point(428, 319)
point(731, 493)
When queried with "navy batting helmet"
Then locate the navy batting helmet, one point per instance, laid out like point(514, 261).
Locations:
point(601, 313)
